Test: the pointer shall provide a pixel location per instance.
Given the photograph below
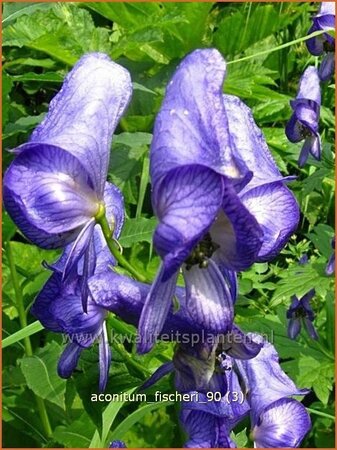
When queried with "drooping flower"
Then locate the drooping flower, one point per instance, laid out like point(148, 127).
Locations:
point(54, 188)
point(300, 313)
point(59, 305)
point(330, 268)
point(303, 124)
point(324, 44)
point(214, 182)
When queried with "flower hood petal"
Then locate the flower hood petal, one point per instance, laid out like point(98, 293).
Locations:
point(192, 126)
point(83, 116)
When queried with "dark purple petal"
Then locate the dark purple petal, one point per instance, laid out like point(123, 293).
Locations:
point(240, 345)
point(294, 129)
point(163, 370)
point(237, 232)
point(284, 423)
point(248, 141)
point(327, 67)
point(208, 298)
point(59, 309)
point(192, 127)
point(307, 113)
point(267, 381)
point(310, 328)
point(326, 16)
point(155, 311)
point(186, 204)
point(83, 116)
point(330, 268)
point(306, 299)
point(104, 359)
point(312, 145)
point(315, 45)
point(68, 360)
point(277, 212)
point(294, 328)
point(47, 194)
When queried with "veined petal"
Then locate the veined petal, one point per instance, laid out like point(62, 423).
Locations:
point(59, 309)
point(155, 310)
point(186, 203)
point(208, 298)
point(239, 345)
point(83, 116)
point(48, 195)
point(192, 126)
point(68, 360)
point(307, 113)
point(104, 359)
point(237, 232)
point(78, 248)
point(267, 381)
point(114, 207)
point(284, 423)
point(201, 428)
point(248, 141)
point(277, 212)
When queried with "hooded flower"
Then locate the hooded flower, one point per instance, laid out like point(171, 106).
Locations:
point(300, 313)
point(303, 124)
point(59, 305)
point(324, 44)
point(216, 192)
point(55, 186)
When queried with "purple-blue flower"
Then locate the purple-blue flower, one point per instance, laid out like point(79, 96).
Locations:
point(303, 124)
point(117, 444)
point(300, 313)
point(59, 305)
point(55, 186)
point(324, 44)
point(216, 193)
point(330, 267)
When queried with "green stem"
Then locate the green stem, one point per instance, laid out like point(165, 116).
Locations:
point(23, 322)
point(280, 47)
point(320, 413)
point(107, 232)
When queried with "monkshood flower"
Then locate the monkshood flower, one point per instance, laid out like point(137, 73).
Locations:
point(330, 268)
point(117, 444)
point(276, 419)
point(300, 313)
point(303, 124)
point(216, 193)
point(59, 305)
point(324, 44)
point(54, 188)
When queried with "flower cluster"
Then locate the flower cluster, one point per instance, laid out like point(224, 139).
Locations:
point(303, 124)
point(222, 205)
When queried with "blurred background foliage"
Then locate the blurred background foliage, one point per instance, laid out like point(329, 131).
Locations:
point(41, 41)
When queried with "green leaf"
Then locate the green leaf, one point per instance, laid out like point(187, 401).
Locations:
point(137, 230)
point(77, 434)
point(22, 125)
point(29, 330)
point(47, 77)
point(11, 10)
point(8, 227)
point(318, 374)
point(108, 418)
point(40, 372)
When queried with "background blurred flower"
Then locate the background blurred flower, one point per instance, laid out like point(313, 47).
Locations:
point(300, 313)
point(330, 268)
point(324, 44)
point(303, 124)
